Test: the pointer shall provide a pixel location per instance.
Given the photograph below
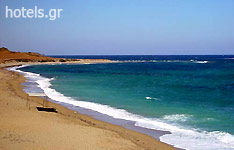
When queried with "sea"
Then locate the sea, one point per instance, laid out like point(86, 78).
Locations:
point(188, 100)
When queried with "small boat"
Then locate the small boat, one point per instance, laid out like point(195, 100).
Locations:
point(47, 109)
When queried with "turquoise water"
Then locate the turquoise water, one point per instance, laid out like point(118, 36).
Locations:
point(185, 93)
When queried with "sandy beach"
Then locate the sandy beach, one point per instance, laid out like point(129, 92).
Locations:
point(23, 128)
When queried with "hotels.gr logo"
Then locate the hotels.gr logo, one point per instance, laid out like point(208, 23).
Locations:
point(52, 14)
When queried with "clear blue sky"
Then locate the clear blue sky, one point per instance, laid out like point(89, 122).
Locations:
point(122, 27)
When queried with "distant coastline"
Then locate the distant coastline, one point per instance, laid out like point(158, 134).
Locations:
point(11, 58)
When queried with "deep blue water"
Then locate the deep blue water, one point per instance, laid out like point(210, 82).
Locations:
point(149, 57)
point(190, 92)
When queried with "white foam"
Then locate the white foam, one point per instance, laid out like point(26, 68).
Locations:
point(151, 98)
point(201, 62)
point(177, 117)
point(169, 61)
point(200, 140)
point(181, 137)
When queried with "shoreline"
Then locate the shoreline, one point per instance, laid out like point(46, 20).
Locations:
point(127, 124)
point(141, 141)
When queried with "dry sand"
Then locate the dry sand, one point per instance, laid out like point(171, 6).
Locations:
point(28, 129)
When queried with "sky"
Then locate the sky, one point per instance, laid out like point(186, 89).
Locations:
point(122, 27)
